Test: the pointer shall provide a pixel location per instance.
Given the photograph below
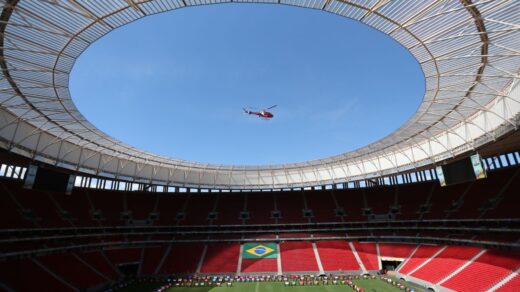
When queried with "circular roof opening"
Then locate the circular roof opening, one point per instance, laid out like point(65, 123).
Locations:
point(175, 84)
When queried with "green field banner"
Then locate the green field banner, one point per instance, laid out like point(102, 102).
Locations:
point(259, 251)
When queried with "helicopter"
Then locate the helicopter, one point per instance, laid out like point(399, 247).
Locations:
point(263, 113)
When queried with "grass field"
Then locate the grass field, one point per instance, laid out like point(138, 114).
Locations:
point(370, 285)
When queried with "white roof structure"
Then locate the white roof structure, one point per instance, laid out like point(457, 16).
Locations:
point(469, 52)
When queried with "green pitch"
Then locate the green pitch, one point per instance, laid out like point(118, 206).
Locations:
point(370, 285)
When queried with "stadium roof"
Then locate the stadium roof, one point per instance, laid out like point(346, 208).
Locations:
point(469, 52)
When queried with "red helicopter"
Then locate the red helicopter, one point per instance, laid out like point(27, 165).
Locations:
point(263, 113)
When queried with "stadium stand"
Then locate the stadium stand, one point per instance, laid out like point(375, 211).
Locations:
point(445, 263)
point(26, 207)
point(39, 203)
point(68, 266)
point(292, 206)
point(442, 199)
point(423, 253)
point(336, 255)
point(221, 258)
point(99, 262)
point(139, 206)
point(132, 214)
point(396, 250)
point(259, 266)
point(11, 271)
point(181, 259)
point(503, 202)
point(297, 256)
point(352, 203)
point(322, 206)
point(198, 208)
point(411, 198)
point(486, 271)
point(110, 207)
point(367, 252)
point(151, 258)
point(510, 285)
point(77, 206)
point(259, 206)
point(168, 206)
point(474, 200)
point(12, 212)
point(379, 199)
point(88, 208)
point(229, 207)
point(121, 256)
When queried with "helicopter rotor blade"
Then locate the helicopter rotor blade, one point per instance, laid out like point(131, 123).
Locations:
point(272, 106)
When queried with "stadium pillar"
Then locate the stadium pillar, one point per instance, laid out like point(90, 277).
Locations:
point(279, 259)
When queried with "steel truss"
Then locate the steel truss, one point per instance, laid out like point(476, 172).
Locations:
point(469, 52)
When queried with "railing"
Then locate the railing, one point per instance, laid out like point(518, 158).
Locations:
point(490, 163)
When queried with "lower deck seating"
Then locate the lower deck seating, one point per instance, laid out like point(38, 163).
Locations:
point(423, 253)
point(510, 285)
point(259, 265)
point(445, 263)
point(367, 252)
point(336, 255)
point(396, 250)
point(298, 256)
point(221, 258)
point(486, 271)
point(182, 259)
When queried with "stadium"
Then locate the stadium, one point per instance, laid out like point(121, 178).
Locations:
point(433, 206)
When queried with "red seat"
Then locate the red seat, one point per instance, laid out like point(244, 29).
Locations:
point(484, 272)
point(336, 255)
point(298, 256)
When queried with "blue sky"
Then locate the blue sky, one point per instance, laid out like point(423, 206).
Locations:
point(175, 83)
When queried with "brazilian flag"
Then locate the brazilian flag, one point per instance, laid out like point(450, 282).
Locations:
point(260, 251)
